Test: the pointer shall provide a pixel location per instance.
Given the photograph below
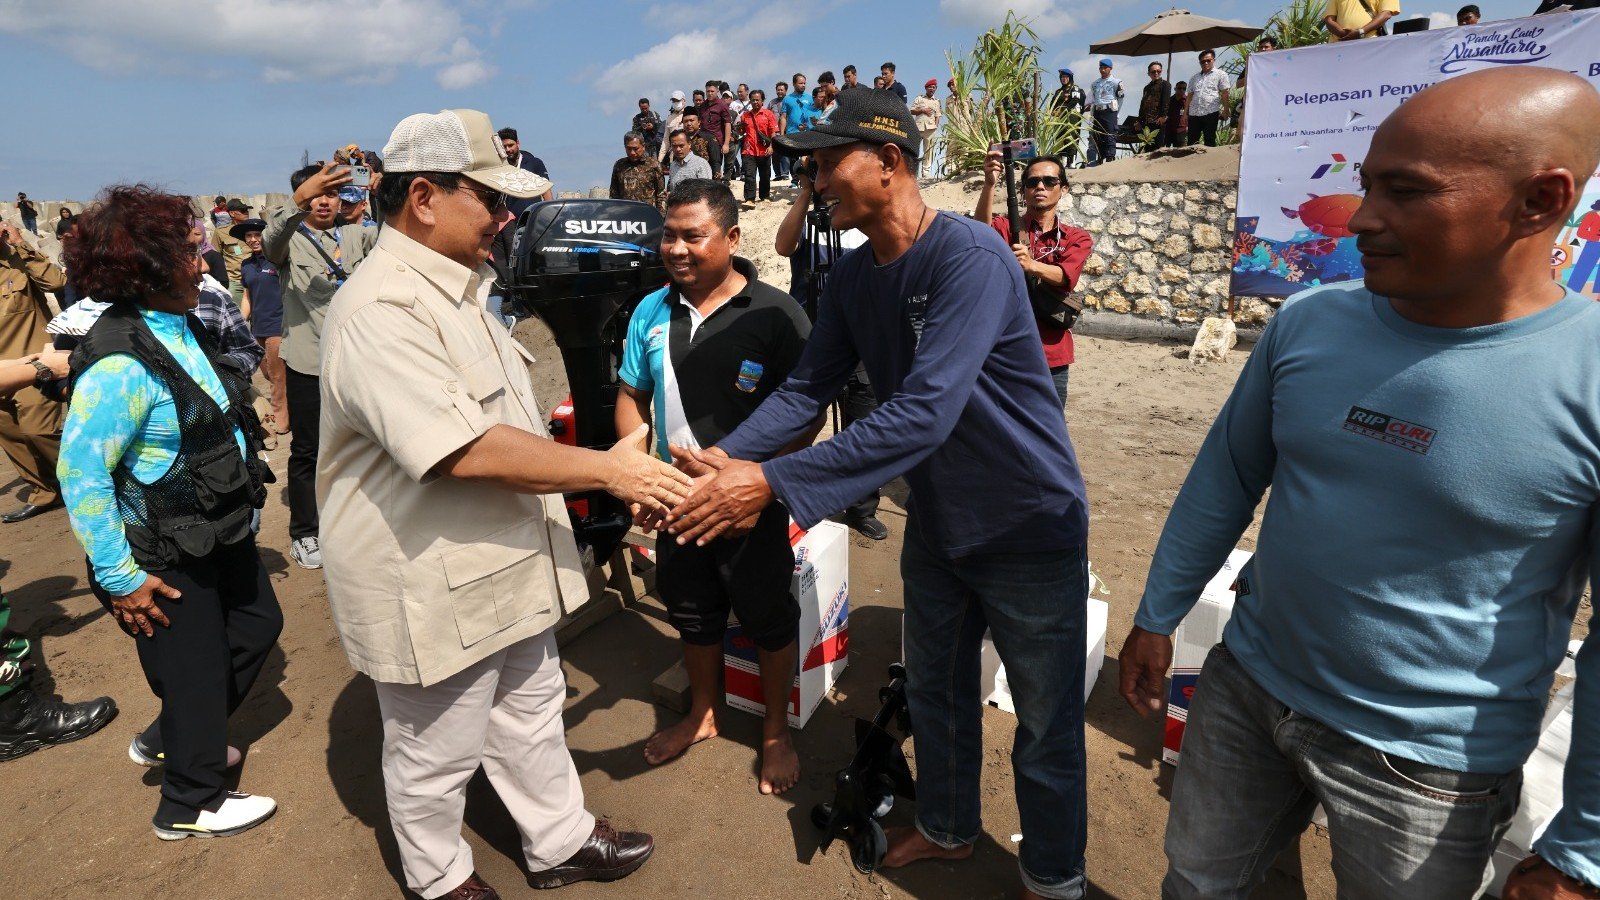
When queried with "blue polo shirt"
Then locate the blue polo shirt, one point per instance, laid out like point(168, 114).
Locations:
point(260, 278)
point(798, 108)
point(706, 374)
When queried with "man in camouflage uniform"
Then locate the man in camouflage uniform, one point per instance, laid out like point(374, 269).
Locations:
point(637, 176)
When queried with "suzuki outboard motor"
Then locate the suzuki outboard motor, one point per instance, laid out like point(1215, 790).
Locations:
point(582, 266)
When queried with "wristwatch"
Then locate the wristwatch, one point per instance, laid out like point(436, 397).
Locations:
point(45, 375)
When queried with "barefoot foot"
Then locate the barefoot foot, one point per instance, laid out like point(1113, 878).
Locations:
point(907, 845)
point(670, 743)
point(780, 764)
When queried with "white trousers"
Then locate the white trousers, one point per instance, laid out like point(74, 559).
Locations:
point(505, 714)
point(928, 137)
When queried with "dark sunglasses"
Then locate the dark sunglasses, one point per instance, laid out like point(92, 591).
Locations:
point(494, 201)
point(1048, 181)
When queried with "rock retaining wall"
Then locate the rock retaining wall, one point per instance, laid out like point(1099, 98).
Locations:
point(1162, 255)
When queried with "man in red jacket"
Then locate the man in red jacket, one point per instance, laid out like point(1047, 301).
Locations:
point(760, 124)
point(1052, 254)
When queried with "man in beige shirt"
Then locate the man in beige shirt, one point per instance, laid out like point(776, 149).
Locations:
point(314, 255)
point(233, 250)
point(448, 551)
point(926, 113)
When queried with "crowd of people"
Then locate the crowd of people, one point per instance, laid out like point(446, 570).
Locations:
point(1396, 631)
point(729, 132)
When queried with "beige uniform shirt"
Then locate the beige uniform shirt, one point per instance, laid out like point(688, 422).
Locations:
point(25, 276)
point(426, 574)
point(303, 276)
point(233, 250)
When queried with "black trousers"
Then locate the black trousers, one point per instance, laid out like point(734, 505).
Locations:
point(755, 166)
point(305, 414)
point(1204, 128)
point(858, 402)
point(202, 667)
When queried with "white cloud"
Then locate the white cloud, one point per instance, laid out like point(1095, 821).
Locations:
point(457, 76)
point(1048, 18)
point(686, 60)
point(287, 39)
point(1438, 20)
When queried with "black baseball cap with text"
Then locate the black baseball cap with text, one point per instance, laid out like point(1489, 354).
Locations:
point(861, 115)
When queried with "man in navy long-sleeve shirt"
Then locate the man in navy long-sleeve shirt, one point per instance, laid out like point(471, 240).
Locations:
point(1432, 441)
point(936, 308)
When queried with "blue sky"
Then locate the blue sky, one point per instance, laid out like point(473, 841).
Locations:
point(205, 97)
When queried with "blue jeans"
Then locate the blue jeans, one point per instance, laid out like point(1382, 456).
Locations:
point(780, 166)
point(1033, 605)
point(1058, 376)
point(1253, 770)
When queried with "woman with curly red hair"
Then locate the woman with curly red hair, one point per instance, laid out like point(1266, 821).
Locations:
point(162, 476)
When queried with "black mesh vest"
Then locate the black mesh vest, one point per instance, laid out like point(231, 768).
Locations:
point(207, 497)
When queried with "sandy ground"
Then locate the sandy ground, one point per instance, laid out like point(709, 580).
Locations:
point(77, 817)
point(75, 820)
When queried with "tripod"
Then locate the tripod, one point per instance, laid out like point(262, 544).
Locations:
point(822, 248)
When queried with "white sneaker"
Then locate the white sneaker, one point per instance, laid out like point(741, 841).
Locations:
point(148, 758)
point(306, 553)
point(238, 813)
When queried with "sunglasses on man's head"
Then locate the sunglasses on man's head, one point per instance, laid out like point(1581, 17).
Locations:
point(1048, 181)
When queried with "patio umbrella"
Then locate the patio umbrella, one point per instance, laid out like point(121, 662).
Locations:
point(1177, 29)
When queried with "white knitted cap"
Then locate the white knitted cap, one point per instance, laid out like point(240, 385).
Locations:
point(458, 140)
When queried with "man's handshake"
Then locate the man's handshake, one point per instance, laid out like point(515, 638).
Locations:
point(725, 499)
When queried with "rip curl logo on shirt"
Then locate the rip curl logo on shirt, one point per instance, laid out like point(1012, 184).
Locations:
point(517, 180)
point(1392, 431)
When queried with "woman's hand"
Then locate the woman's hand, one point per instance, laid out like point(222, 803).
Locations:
point(137, 610)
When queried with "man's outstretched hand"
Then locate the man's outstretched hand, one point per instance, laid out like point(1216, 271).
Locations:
point(729, 495)
point(641, 480)
point(1144, 661)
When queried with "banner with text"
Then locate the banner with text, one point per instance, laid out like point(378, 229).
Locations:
point(1309, 117)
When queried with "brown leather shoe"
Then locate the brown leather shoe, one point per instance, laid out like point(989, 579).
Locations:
point(472, 889)
point(607, 855)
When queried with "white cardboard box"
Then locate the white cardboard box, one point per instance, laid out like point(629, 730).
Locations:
point(821, 584)
point(997, 693)
point(1199, 631)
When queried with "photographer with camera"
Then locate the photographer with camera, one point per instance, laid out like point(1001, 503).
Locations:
point(1052, 256)
point(314, 255)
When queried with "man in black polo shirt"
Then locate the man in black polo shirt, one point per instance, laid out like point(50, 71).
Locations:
point(704, 352)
